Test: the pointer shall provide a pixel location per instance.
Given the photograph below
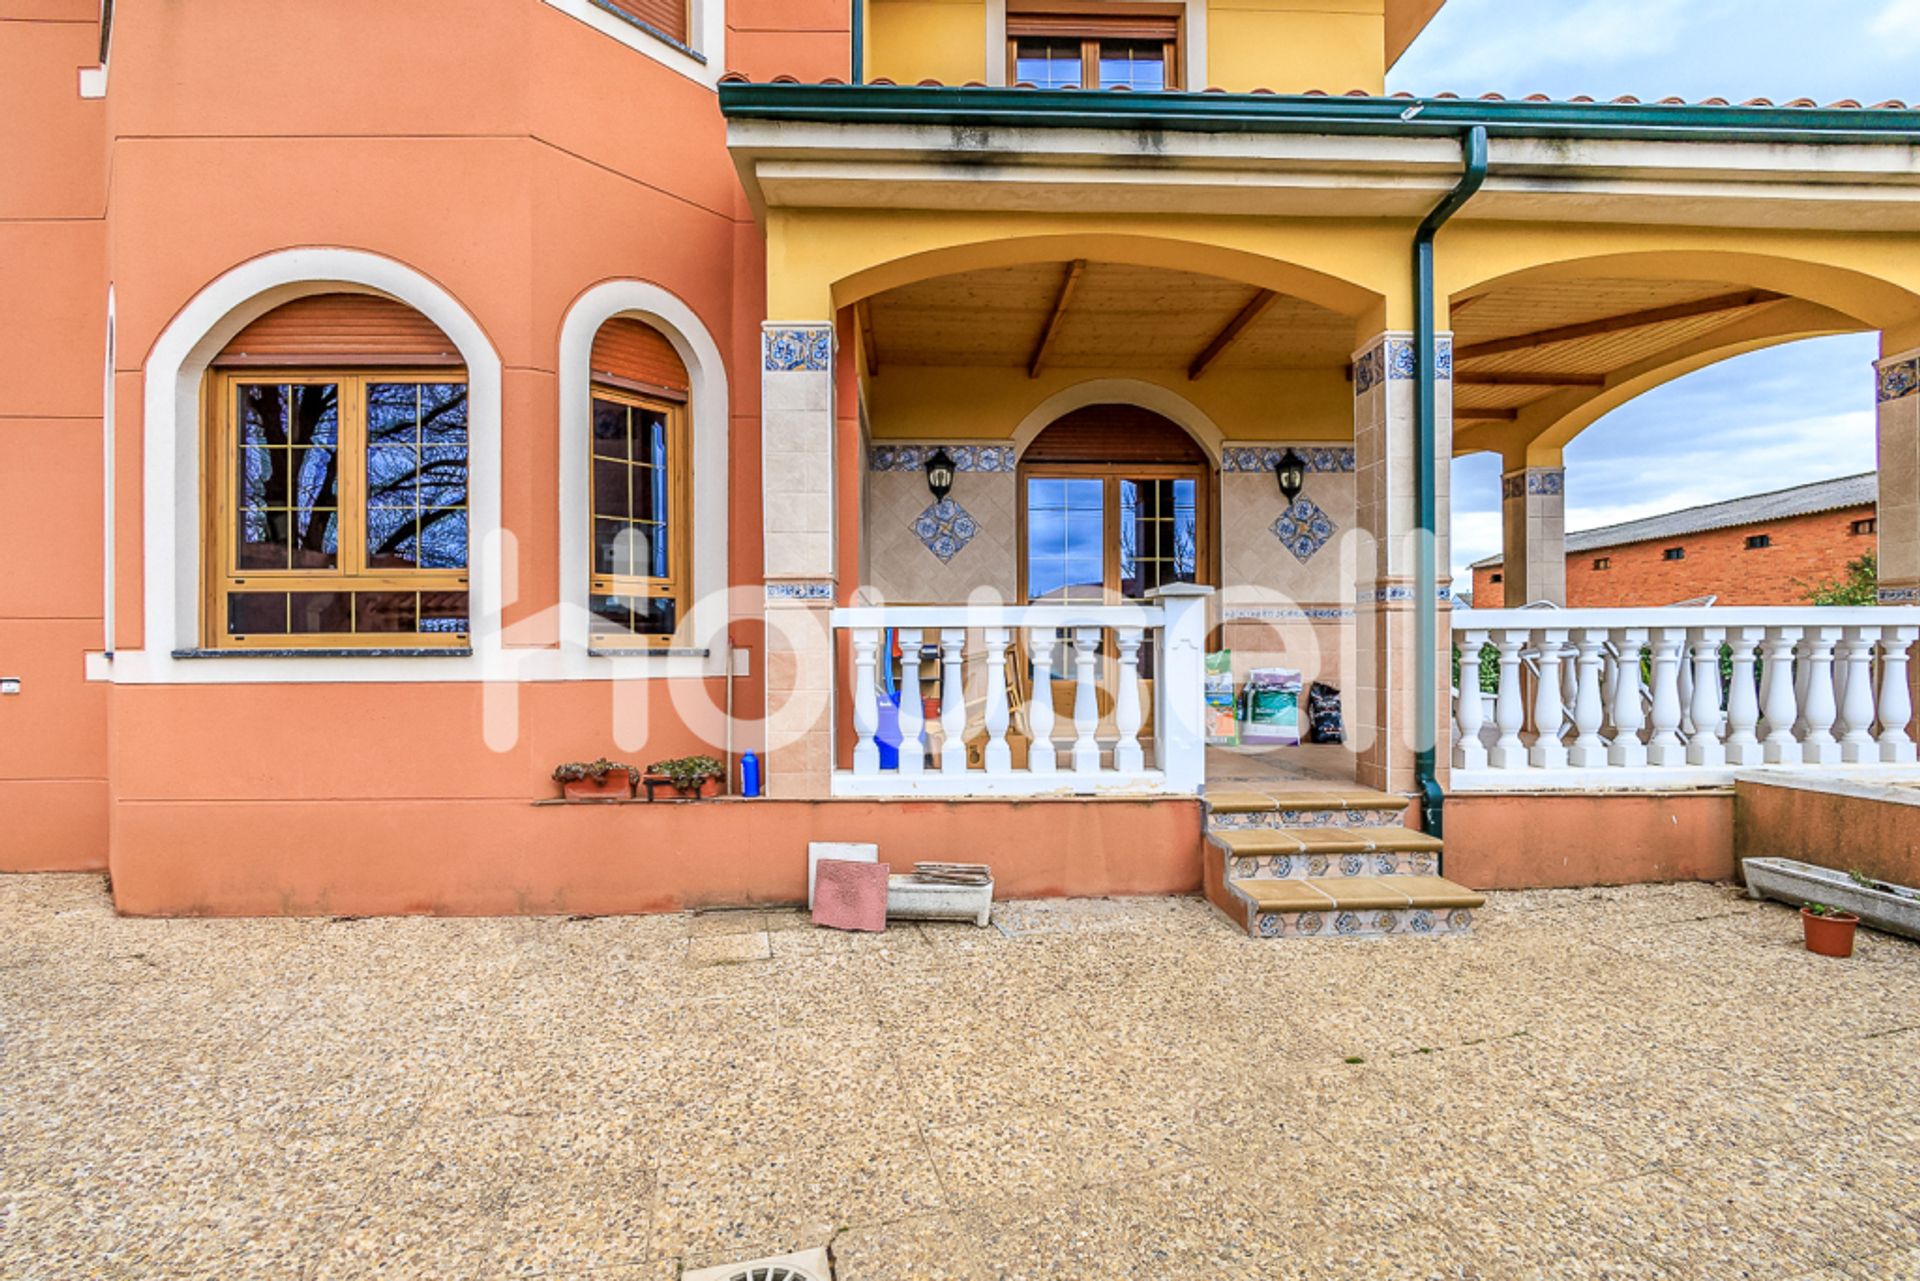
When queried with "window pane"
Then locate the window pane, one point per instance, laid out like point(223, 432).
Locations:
point(377, 612)
point(609, 429)
point(1133, 64)
point(318, 613)
point(443, 612)
point(610, 488)
point(263, 541)
point(257, 614)
point(636, 615)
point(624, 549)
point(416, 476)
point(1047, 62)
point(1066, 547)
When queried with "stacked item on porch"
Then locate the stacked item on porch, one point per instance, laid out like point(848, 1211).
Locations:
point(1222, 720)
point(953, 873)
point(1270, 707)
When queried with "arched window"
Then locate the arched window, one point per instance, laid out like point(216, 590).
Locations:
point(642, 489)
point(337, 460)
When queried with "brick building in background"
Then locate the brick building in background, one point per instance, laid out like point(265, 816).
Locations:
point(1764, 549)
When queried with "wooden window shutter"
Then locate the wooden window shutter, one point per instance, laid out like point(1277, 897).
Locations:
point(340, 329)
point(1077, 26)
point(633, 354)
point(1113, 434)
point(668, 17)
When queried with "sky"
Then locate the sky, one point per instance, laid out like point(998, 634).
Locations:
point(1763, 421)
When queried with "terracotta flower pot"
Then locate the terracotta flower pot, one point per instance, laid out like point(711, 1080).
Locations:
point(1831, 934)
point(616, 786)
point(706, 788)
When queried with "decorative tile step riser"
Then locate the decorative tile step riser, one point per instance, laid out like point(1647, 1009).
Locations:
point(1359, 924)
point(1304, 818)
point(1293, 867)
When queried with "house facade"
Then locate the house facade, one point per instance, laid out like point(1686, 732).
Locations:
point(1764, 549)
point(400, 400)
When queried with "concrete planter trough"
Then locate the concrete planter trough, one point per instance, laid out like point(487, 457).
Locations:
point(1798, 884)
point(911, 900)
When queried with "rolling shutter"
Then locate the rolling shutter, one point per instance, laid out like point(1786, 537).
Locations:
point(668, 17)
point(630, 353)
point(340, 329)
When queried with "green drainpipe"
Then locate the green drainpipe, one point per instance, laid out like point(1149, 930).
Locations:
point(1426, 588)
point(859, 35)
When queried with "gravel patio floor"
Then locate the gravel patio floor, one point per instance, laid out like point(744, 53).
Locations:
point(1651, 1082)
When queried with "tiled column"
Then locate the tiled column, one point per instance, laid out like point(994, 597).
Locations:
point(1899, 527)
point(1387, 507)
point(797, 520)
point(1533, 512)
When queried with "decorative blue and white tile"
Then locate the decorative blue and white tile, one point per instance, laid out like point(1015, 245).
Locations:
point(1443, 357)
point(1303, 529)
point(800, 591)
point(1353, 865)
point(1899, 379)
point(797, 349)
point(1513, 484)
point(1419, 921)
point(1326, 459)
point(1402, 363)
point(1369, 370)
point(1283, 866)
point(1546, 481)
point(1289, 614)
point(1245, 869)
point(944, 528)
point(1899, 595)
point(966, 458)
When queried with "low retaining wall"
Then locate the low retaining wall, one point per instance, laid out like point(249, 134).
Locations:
point(1832, 823)
point(481, 858)
point(1559, 840)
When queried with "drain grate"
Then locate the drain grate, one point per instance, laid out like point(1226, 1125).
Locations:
point(807, 1265)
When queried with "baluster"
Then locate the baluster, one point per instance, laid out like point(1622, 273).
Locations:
point(1589, 749)
point(1548, 710)
point(1508, 711)
point(1086, 704)
point(953, 701)
point(1127, 756)
point(1469, 706)
point(1802, 672)
point(1896, 699)
point(1609, 685)
point(1704, 746)
point(1857, 744)
point(999, 756)
point(1782, 697)
point(913, 712)
point(1569, 690)
point(1685, 690)
point(1629, 713)
point(1040, 645)
point(1820, 747)
point(1743, 701)
point(1664, 748)
point(866, 703)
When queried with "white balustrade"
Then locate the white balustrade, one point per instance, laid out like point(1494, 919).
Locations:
point(1109, 646)
point(1723, 689)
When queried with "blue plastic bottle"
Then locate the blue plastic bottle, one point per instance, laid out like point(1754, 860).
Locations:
point(749, 775)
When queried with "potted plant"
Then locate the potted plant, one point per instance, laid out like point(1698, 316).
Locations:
point(1829, 930)
point(691, 776)
point(599, 780)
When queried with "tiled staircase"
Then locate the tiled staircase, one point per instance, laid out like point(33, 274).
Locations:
point(1334, 863)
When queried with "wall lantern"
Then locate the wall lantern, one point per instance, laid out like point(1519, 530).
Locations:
point(1290, 471)
point(940, 473)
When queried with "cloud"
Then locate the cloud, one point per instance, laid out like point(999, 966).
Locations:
point(1899, 23)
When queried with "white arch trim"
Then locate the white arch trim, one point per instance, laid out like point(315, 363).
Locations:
point(172, 482)
point(1122, 391)
point(707, 405)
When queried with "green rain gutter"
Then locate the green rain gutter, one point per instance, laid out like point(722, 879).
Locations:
point(977, 107)
point(858, 33)
point(1426, 586)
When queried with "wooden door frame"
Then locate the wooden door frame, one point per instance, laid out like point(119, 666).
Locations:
point(1206, 559)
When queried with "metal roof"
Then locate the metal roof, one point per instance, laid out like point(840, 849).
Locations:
point(1754, 509)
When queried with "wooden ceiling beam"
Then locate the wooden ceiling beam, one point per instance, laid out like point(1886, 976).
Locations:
point(1464, 379)
point(1060, 302)
point(1617, 324)
point(1235, 327)
point(1485, 415)
point(863, 318)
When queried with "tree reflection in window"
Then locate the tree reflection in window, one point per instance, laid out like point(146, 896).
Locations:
point(416, 476)
point(289, 476)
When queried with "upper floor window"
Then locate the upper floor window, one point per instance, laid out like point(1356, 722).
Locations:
point(1603, 562)
point(642, 489)
point(1870, 525)
point(337, 459)
point(1674, 553)
point(1756, 542)
point(1069, 45)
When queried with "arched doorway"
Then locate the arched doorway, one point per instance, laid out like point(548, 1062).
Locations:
point(1114, 501)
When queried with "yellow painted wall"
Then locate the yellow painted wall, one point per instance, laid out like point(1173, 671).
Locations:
point(940, 403)
point(1292, 46)
point(913, 40)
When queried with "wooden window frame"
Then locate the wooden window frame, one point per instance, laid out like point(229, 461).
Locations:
point(1112, 474)
point(1090, 22)
point(220, 546)
point(673, 406)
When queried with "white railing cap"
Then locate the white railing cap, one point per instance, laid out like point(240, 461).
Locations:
point(1480, 620)
point(974, 616)
point(1176, 591)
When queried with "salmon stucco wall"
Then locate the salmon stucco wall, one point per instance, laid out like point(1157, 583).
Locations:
point(1565, 840)
point(1831, 827)
point(487, 857)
